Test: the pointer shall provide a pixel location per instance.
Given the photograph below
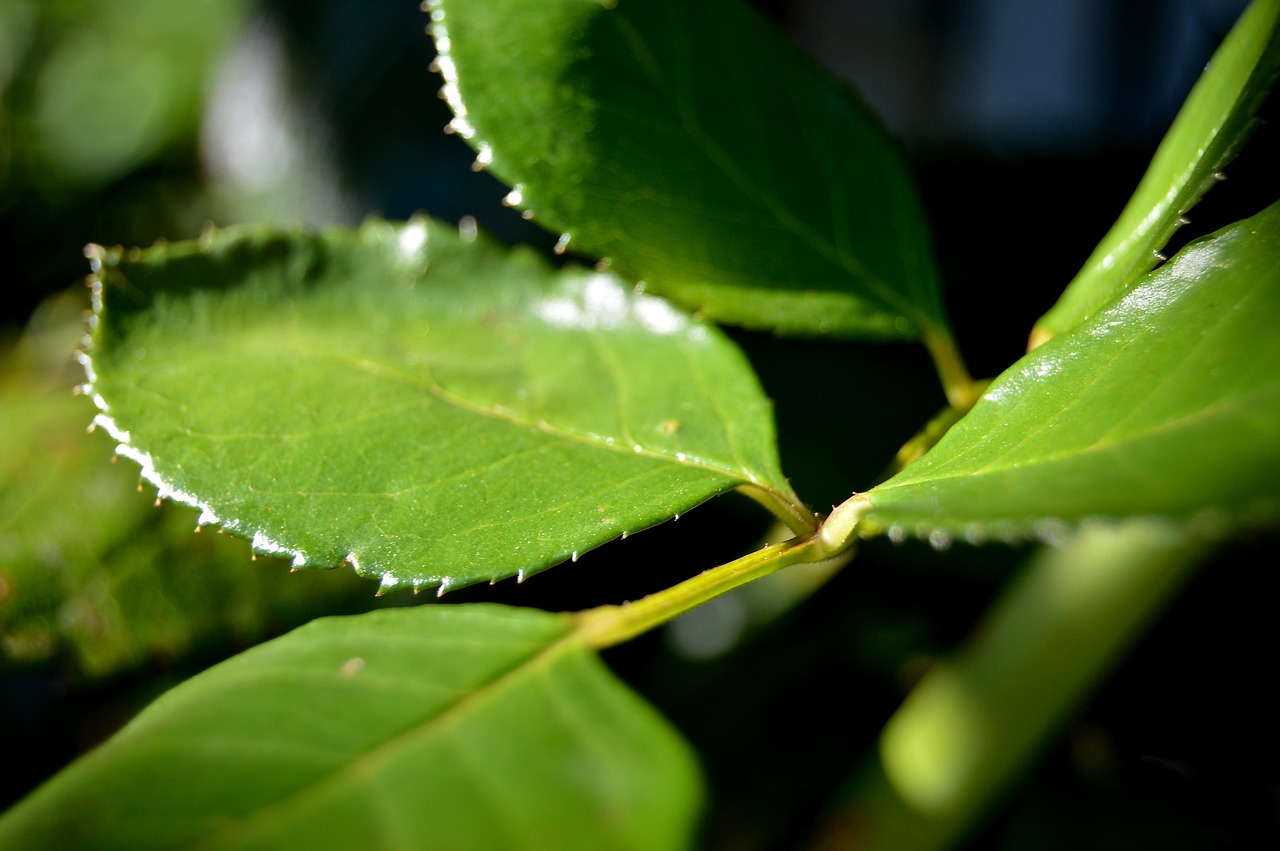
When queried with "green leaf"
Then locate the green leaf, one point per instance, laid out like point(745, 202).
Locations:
point(88, 569)
point(433, 727)
point(697, 150)
point(115, 81)
point(423, 405)
point(1208, 132)
point(1165, 403)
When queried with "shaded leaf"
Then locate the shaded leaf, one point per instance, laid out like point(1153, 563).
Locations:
point(1165, 403)
point(113, 82)
point(427, 407)
point(699, 151)
point(88, 569)
point(433, 727)
point(1210, 129)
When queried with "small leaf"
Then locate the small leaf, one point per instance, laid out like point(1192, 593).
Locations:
point(1165, 403)
point(1210, 129)
point(700, 152)
point(427, 407)
point(433, 727)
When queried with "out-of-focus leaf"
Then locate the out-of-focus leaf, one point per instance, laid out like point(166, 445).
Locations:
point(435, 727)
point(1208, 132)
point(88, 569)
point(423, 405)
point(114, 82)
point(700, 152)
point(1165, 403)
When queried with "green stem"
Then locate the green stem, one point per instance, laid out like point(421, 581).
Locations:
point(799, 519)
point(609, 625)
point(959, 386)
point(928, 437)
point(973, 724)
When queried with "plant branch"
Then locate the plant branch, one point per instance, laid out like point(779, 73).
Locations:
point(928, 437)
point(799, 519)
point(959, 386)
point(974, 723)
point(606, 626)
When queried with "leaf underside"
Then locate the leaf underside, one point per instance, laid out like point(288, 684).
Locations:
point(1166, 403)
point(433, 727)
point(425, 406)
point(1209, 131)
point(697, 150)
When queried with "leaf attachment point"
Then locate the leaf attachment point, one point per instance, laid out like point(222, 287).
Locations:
point(1165, 403)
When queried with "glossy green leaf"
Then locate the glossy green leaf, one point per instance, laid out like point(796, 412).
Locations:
point(1167, 403)
point(700, 152)
point(89, 570)
point(434, 727)
point(1209, 130)
point(423, 405)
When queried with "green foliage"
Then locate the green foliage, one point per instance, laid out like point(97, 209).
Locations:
point(1214, 122)
point(110, 589)
point(699, 152)
point(480, 416)
point(119, 79)
point(433, 409)
point(447, 727)
point(1165, 403)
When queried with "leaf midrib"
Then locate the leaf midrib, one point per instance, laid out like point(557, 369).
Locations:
point(1003, 464)
point(396, 743)
point(506, 415)
point(764, 200)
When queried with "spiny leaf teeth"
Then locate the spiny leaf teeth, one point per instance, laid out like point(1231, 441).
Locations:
point(387, 299)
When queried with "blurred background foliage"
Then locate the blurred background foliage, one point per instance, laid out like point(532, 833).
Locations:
point(1030, 121)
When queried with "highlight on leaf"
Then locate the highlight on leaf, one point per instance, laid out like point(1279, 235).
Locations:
point(423, 405)
point(1166, 403)
point(698, 150)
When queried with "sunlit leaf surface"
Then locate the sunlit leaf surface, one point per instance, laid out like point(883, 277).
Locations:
point(700, 152)
point(459, 727)
point(1167, 402)
point(1212, 125)
point(425, 406)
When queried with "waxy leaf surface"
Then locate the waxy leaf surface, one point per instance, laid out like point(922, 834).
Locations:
point(1166, 403)
point(425, 406)
point(460, 727)
point(699, 151)
point(1208, 132)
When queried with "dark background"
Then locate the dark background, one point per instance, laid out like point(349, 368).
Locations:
point(1029, 123)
